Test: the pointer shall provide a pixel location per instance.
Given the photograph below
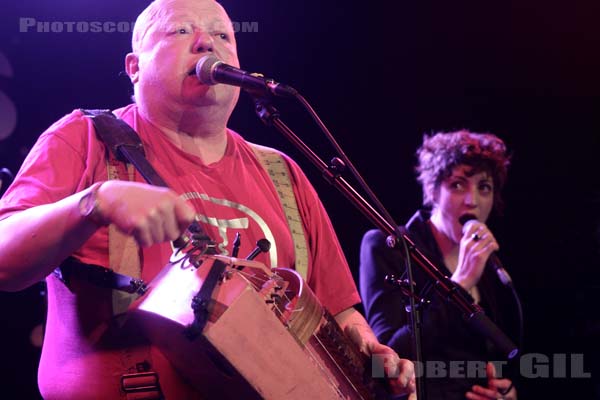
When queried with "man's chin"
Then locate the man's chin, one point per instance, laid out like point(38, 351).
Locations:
point(200, 95)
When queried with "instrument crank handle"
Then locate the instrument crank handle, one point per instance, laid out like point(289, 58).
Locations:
point(195, 236)
point(262, 246)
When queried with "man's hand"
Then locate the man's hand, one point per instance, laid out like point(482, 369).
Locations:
point(151, 214)
point(400, 372)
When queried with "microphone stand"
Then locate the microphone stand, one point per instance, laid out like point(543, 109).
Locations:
point(453, 294)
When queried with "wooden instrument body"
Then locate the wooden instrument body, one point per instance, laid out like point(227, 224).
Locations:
point(267, 335)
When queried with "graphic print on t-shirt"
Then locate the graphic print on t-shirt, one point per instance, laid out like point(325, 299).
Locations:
point(223, 224)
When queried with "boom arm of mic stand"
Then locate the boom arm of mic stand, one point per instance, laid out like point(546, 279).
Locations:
point(472, 313)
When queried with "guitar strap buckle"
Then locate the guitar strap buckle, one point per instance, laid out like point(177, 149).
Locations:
point(141, 386)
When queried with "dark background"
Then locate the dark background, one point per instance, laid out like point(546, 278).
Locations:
point(380, 77)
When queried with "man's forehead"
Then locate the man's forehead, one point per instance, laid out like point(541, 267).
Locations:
point(163, 15)
point(206, 12)
point(204, 21)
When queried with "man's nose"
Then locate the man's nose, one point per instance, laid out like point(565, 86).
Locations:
point(203, 43)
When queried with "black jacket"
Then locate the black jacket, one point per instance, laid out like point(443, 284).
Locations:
point(452, 354)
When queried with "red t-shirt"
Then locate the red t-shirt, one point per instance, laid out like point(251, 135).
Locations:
point(234, 194)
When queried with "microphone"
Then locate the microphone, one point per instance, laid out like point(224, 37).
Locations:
point(210, 71)
point(494, 260)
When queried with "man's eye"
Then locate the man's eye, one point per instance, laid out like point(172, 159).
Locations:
point(223, 36)
point(181, 30)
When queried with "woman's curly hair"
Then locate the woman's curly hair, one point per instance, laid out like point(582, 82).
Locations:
point(440, 153)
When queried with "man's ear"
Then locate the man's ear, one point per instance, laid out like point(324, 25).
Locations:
point(132, 67)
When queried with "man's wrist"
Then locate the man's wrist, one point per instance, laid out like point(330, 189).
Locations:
point(90, 207)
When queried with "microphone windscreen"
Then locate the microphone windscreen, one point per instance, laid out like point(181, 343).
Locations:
point(204, 69)
point(463, 219)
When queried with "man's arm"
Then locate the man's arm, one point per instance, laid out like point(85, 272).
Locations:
point(34, 241)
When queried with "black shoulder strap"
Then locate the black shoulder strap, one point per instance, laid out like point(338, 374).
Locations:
point(124, 143)
point(99, 276)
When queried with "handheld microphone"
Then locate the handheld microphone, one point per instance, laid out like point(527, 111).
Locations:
point(210, 71)
point(494, 260)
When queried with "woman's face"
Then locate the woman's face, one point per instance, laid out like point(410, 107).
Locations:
point(463, 192)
